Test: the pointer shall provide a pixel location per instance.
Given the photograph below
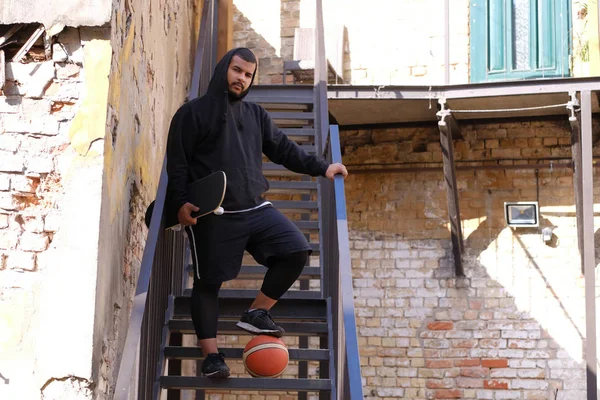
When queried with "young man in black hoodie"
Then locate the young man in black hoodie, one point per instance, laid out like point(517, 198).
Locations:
point(220, 132)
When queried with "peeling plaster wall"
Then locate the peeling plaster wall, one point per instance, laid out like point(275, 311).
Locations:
point(51, 114)
point(153, 48)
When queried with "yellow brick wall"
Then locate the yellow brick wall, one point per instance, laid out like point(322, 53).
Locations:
point(513, 327)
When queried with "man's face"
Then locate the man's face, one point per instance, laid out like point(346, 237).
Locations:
point(239, 75)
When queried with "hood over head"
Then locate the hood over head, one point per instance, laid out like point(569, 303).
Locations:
point(218, 83)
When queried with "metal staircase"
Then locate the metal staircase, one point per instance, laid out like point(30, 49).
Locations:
point(317, 313)
point(303, 311)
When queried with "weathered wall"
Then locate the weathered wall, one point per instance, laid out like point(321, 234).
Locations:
point(52, 13)
point(153, 49)
point(50, 183)
point(514, 327)
point(268, 31)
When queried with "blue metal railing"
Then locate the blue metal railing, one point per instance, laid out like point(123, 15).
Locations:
point(339, 285)
point(335, 257)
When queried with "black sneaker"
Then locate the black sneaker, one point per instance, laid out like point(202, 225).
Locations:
point(259, 321)
point(214, 366)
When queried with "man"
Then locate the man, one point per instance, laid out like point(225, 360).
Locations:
point(219, 131)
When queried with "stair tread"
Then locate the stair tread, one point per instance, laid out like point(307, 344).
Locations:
point(251, 293)
point(195, 353)
point(233, 302)
point(192, 382)
point(295, 204)
point(299, 131)
point(225, 327)
point(300, 115)
point(275, 99)
point(272, 169)
point(293, 185)
point(258, 271)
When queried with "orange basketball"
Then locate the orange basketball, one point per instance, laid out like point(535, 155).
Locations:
point(265, 357)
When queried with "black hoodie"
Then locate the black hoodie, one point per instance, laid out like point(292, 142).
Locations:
point(219, 132)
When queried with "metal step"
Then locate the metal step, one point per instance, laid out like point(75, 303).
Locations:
point(297, 205)
point(233, 302)
point(300, 134)
point(270, 99)
point(292, 115)
point(195, 353)
point(282, 105)
point(307, 226)
point(272, 169)
point(258, 272)
point(304, 328)
point(281, 93)
point(296, 187)
point(251, 294)
point(192, 382)
point(309, 148)
point(303, 115)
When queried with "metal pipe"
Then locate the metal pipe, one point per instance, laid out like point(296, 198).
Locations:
point(463, 168)
point(589, 263)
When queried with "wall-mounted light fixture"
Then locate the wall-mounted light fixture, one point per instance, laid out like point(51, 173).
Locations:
point(521, 213)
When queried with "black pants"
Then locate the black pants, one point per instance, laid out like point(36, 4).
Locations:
point(217, 242)
point(281, 275)
point(217, 245)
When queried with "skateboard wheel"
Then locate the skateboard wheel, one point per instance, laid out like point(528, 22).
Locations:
point(219, 211)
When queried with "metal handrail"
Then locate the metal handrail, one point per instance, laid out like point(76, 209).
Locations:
point(337, 269)
point(339, 284)
point(161, 247)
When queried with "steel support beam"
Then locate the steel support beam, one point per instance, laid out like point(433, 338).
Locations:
point(589, 259)
point(451, 121)
point(573, 108)
point(470, 90)
point(451, 190)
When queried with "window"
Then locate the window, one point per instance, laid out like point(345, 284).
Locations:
point(519, 39)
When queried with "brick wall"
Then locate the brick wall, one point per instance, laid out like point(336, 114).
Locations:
point(39, 168)
point(268, 30)
point(513, 327)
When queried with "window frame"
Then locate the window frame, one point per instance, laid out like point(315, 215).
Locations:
point(480, 39)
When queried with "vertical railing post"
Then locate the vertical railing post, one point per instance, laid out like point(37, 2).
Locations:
point(322, 117)
point(589, 263)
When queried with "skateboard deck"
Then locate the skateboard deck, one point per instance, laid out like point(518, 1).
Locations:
point(206, 193)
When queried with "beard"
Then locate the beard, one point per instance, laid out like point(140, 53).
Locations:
point(233, 95)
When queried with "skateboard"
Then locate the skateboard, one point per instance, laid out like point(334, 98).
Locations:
point(206, 193)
